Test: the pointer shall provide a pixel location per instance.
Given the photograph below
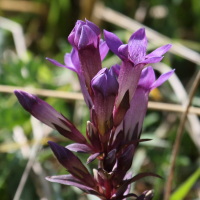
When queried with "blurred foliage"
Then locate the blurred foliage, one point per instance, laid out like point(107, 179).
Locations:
point(46, 36)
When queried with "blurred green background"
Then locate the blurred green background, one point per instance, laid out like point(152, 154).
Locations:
point(46, 26)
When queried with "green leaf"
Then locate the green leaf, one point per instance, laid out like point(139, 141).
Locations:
point(182, 191)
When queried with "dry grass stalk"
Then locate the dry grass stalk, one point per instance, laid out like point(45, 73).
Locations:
point(178, 138)
point(78, 96)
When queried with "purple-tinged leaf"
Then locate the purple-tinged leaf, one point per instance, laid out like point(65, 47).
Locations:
point(123, 190)
point(120, 111)
point(125, 161)
point(135, 115)
point(93, 157)
point(79, 138)
point(118, 140)
point(41, 110)
point(80, 148)
point(72, 164)
point(147, 195)
point(70, 180)
point(123, 187)
point(127, 176)
point(134, 142)
point(142, 175)
point(93, 136)
point(128, 79)
point(109, 160)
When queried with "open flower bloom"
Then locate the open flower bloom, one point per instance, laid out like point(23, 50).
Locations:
point(117, 99)
point(134, 58)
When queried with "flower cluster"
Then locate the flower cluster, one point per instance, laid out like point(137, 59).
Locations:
point(117, 99)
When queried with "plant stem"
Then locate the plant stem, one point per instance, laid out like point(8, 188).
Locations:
point(178, 138)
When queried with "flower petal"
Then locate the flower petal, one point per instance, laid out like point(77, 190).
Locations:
point(103, 49)
point(137, 46)
point(162, 79)
point(73, 37)
point(87, 37)
point(116, 69)
point(71, 67)
point(84, 91)
point(113, 42)
point(123, 51)
point(75, 60)
point(159, 51)
point(151, 60)
point(94, 27)
point(147, 78)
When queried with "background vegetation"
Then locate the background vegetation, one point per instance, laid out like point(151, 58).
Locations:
point(46, 26)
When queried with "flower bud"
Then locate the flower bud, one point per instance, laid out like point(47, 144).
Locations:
point(105, 88)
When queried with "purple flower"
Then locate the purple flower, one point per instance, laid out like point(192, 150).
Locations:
point(134, 58)
point(134, 117)
point(72, 62)
point(49, 116)
point(105, 88)
point(117, 99)
point(85, 37)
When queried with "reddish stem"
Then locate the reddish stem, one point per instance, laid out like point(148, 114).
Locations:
point(108, 189)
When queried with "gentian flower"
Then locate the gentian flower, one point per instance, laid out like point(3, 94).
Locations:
point(72, 63)
point(134, 58)
point(85, 37)
point(105, 88)
point(134, 117)
point(117, 99)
